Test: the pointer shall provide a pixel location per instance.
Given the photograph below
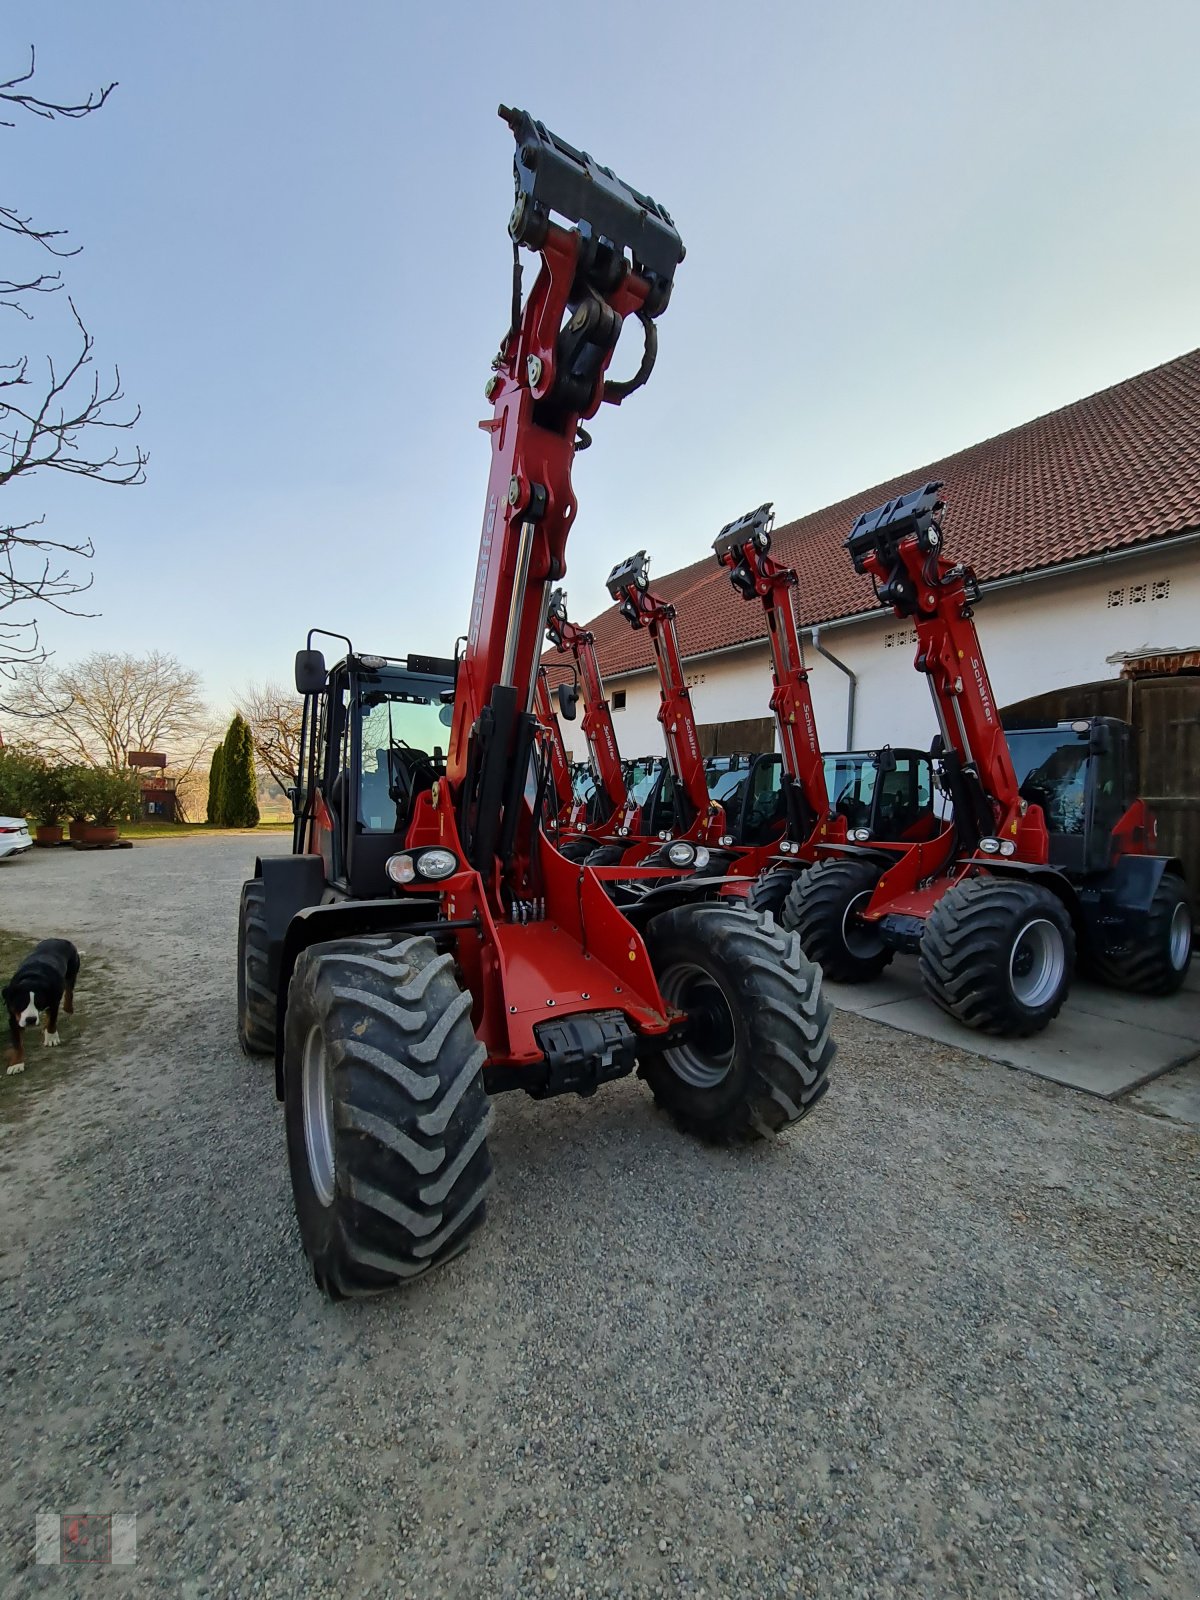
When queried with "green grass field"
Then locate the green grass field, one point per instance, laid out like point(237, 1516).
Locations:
point(188, 830)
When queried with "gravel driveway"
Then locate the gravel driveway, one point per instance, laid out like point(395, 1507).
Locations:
point(941, 1340)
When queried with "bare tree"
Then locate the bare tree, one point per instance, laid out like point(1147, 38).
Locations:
point(273, 713)
point(112, 702)
point(57, 413)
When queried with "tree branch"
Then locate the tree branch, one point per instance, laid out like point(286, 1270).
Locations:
point(10, 93)
point(48, 435)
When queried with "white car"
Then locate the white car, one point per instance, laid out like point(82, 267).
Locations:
point(14, 836)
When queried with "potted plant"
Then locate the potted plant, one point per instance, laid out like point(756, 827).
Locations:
point(77, 783)
point(113, 798)
point(49, 799)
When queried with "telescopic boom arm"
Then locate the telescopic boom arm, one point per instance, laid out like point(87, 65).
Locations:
point(552, 739)
point(629, 585)
point(597, 723)
point(743, 548)
point(899, 546)
point(548, 378)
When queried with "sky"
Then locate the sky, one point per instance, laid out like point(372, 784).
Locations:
point(908, 227)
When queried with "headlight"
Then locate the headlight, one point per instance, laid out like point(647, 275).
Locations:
point(622, 833)
point(437, 863)
point(702, 857)
point(400, 869)
point(989, 847)
point(725, 839)
point(860, 835)
point(681, 854)
point(1007, 847)
point(665, 834)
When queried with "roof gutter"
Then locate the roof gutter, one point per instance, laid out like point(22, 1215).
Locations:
point(1016, 580)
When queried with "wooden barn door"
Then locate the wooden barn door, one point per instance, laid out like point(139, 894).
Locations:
point(1166, 715)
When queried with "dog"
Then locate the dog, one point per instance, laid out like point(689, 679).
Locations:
point(43, 982)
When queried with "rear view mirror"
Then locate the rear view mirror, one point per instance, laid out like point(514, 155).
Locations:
point(568, 700)
point(1101, 736)
point(310, 672)
point(886, 759)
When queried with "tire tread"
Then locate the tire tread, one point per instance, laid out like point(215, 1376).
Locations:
point(782, 1008)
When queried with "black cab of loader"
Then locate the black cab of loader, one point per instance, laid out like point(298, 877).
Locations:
point(1083, 774)
point(372, 739)
point(883, 794)
point(750, 788)
point(373, 736)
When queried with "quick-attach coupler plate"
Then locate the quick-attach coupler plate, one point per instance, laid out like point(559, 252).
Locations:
point(880, 531)
point(552, 176)
point(754, 525)
point(632, 573)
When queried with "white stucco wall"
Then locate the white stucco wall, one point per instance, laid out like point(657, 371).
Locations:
point(1036, 636)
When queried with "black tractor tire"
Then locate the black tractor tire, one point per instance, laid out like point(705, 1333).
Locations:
point(999, 955)
point(256, 997)
point(821, 908)
point(605, 855)
point(1159, 962)
point(576, 848)
point(385, 1111)
point(770, 890)
point(758, 1058)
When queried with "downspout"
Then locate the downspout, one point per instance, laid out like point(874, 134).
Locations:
point(851, 691)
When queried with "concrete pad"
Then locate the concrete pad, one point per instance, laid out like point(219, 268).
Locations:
point(1177, 1095)
point(1177, 1013)
point(1103, 1042)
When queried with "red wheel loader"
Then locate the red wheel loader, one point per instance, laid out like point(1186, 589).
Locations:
point(425, 946)
point(614, 814)
point(563, 805)
point(786, 818)
point(1051, 852)
point(689, 822)
point(766, 817)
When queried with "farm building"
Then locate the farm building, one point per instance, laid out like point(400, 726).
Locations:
point(1083, 527)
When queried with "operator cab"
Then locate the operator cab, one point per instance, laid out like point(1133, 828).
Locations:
point(1083, 774)
point(374, 735)
point(750, 789)
point(650, 784)
point(888, 793)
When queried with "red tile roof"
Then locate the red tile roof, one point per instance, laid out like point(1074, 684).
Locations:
point(1117, 469)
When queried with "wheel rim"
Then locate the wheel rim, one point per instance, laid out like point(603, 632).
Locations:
point(318, 1116)
point(1180, 946)
point(1037, 963)
point(705, 1057)
point(861, 940)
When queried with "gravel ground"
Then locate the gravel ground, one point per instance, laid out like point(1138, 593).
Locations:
point(940, 1340)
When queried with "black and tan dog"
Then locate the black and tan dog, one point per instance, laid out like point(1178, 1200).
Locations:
point(43, 982)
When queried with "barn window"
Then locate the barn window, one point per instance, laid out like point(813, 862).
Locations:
point(618, 700)
point(1160, 589)
point(1116, 597)
point(1138, 593)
